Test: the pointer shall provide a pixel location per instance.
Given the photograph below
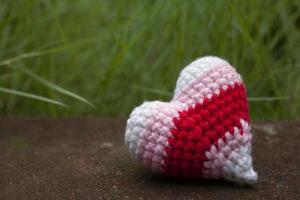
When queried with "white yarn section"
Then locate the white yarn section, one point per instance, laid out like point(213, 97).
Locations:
point(232, 158)
point(148, 130)
point(197, 68)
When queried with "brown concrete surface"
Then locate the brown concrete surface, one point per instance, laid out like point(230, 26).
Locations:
point(84, 158)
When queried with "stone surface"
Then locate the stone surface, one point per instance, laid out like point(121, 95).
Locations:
point(85, 158)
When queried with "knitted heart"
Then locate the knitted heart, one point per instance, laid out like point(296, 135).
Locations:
point(203, 132)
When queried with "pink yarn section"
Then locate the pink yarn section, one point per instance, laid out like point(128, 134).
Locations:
point(231, 159)
point(152, 136)
point(208, 84)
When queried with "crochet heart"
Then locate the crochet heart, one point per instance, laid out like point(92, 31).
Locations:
point(202, 132)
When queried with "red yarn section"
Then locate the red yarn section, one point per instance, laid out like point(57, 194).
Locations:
point(200, 126)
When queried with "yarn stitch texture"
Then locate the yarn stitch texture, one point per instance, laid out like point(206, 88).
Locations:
point(202, 132)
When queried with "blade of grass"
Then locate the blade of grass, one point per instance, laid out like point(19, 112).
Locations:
point(56, 87)
point(26, 55)
point(168, 94)
point(268, 98)
point(32, 96)
point(42, 53)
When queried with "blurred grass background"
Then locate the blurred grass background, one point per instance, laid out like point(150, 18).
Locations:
point(116, 54)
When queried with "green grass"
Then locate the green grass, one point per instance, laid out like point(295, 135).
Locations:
point(116, 54)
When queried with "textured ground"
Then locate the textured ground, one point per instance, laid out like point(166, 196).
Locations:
point(84, 158)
